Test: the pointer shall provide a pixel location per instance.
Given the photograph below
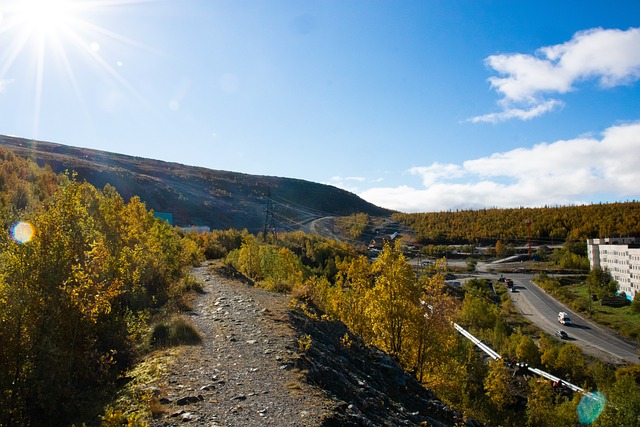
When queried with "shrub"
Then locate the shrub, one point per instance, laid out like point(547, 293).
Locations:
point(635, 304)
point(179, 331)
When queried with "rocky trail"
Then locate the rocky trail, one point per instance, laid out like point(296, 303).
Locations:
point(262, 363)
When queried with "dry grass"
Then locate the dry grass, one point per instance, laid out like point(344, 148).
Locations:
point(178, 331)
point(137, 400)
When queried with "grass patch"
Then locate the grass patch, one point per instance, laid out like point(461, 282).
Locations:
point(136, 401)
point(178, 331)
point(623, 319)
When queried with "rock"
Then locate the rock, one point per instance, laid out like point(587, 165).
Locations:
point(187, 400)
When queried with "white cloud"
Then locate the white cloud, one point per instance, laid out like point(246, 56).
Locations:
point(612, 57)
point(437, 171)
point(559, 173)
point(349, 183)
point(348, 178)
point(518, 113)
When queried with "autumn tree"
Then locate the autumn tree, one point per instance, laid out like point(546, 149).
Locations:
point(354, 281)
point(248, 258)
point(280, 268)
point(571, 362)
point(69, 294)
point(433, 339)
point(541, 404)
point(496, 385)
point(393, 300)
point(623, 408)
point(526, 350)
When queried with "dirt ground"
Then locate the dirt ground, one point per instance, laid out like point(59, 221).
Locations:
point(243, 373)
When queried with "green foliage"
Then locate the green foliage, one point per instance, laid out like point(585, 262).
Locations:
point(280, 268)
point(471, 264)
point(547, 408)
point(623, 408)
point(478, 312)
point(73, 298)
point(385, 304)
point(496, 383)
point(635, 304)
point(526, 350)
point(601, 283)
point(572, 255)
point(353, 225)
point(217, 244)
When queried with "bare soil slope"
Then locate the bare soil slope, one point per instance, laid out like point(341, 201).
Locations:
point(263, 363)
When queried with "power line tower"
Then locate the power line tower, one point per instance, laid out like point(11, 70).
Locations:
point(269, 221)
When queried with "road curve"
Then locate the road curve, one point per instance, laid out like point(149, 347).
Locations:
point(542, 310)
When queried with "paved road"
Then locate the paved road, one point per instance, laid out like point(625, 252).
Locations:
point(542, 310)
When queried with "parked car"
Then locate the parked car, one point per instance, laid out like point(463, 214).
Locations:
point(562, 334)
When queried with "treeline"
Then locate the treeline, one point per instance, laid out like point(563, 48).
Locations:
point(409, 317)
point(547, 225)
point(81, 274)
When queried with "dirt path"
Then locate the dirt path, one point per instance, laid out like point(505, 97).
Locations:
point(243, 373)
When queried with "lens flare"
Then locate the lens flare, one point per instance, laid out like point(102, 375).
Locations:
point(22, 232)
point(590, 407)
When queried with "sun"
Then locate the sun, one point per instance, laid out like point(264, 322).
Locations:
point(45, 16)
point(46, 40)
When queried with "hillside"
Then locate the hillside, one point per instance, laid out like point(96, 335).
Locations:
point(196, 195)
point(251, 369)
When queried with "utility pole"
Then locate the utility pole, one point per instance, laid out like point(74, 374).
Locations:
point(528, 223)
point(269, 222)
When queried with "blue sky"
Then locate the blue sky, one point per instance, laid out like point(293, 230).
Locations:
point(414, 105)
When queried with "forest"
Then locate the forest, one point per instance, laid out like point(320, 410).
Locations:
point(82, 273)
point(546, 225)
point(85, 276)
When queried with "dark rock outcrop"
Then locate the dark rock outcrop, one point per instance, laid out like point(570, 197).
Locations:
point(374, 389)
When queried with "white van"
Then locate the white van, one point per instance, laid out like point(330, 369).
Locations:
point(564, 318)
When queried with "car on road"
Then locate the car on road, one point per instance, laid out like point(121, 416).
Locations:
point(564, 318)
point(562, 334)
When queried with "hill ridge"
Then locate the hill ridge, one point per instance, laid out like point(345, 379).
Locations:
point(196, 195)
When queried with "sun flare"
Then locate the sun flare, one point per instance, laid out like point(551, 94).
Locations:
point(45, 17)
point(47, 39)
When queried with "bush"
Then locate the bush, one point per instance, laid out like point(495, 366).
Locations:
point(635, 305)
point(179, 331)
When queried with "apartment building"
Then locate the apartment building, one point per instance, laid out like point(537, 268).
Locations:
point(621, 257)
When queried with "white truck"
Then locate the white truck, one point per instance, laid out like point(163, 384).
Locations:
point(564, 318)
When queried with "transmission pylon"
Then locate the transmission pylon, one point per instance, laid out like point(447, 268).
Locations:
point(269, 221)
